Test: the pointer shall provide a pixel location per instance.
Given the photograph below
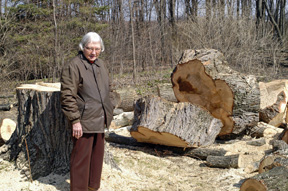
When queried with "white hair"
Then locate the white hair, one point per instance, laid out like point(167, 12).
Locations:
point(91, 37)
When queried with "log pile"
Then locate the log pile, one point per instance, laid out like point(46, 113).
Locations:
point(203, 77)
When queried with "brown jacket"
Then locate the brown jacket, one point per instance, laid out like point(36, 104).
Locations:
point(85, 94)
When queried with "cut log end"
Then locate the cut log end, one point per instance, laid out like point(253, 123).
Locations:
point(148, 136)
point(252, 185)
point(7, 128)
point(44, 87)
point(192, 84)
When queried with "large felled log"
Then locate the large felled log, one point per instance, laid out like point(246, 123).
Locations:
point(275, 179)
point(159, 121)
point(202, 77)
point(7, 127)
point(274, 97)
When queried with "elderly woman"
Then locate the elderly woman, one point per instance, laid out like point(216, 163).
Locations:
point(86, 103)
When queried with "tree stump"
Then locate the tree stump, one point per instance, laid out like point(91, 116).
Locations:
point(41, 133)
point(275, 179)
point(159, 121)
point(274, 97)
point(42, 136)
point(202, 77)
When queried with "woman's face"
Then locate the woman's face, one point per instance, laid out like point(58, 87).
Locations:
point(92, 51)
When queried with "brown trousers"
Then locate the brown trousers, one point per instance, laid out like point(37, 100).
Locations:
point(86, 162)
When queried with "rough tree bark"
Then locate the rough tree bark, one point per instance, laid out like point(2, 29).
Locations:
point(202, 77)
point(159, 121)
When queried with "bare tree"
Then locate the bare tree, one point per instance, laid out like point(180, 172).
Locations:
point(133, 44)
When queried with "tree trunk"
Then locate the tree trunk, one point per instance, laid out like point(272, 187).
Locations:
point(273, 96)
point(275, 179)
point(202, 77)
point(161, 122)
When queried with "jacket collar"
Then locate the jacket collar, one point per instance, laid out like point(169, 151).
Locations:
point(86, 63)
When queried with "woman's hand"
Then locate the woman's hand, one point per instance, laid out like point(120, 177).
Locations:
point(77, 130)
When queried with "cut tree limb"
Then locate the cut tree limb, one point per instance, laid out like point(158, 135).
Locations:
point(6, 107)
point(203, 153)
point(159, 121)
point(264, 130)
point(203, 77)
point(229, 161)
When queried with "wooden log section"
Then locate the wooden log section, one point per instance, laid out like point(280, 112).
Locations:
point(229, 161)
point(264, 130)
point(272, 161)
point(159, 121)
point(128, 96)
point(165, 91)
point(274, 97)
point(202, 77)
point(275, 179)
point(7, 128)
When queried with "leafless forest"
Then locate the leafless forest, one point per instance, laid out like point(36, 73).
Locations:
point(142, 37)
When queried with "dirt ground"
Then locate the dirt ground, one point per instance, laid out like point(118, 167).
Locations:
point(146, 169)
